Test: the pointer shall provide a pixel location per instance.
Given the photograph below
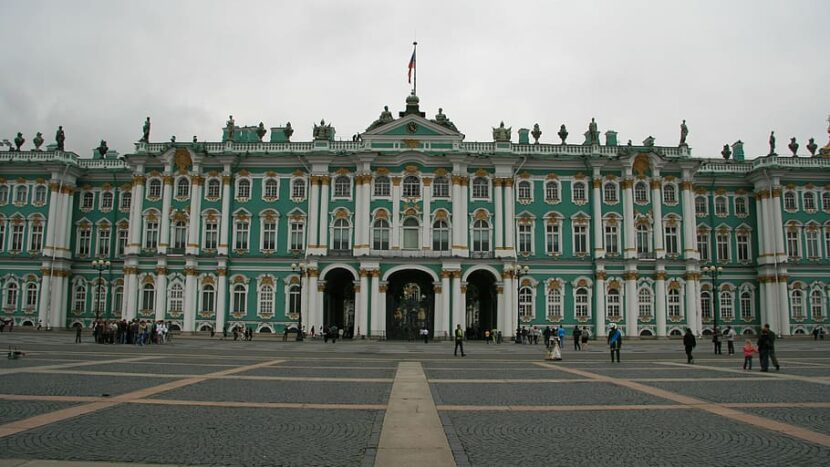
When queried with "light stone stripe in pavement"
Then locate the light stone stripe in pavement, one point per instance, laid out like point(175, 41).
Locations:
point(210, 376)
point(63, 463)
point(74, 364)
point(770, 374)
point(261, 405)
point(70, 412)
point(708, 406)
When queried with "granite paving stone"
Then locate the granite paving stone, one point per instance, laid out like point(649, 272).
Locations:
point(283, 391)
point(387, 373)
point(17, 410)
point(815, 419)
point(73, 385)
point(773, 390)
point(577, 393)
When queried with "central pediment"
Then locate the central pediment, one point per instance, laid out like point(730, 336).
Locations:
point(412, 124)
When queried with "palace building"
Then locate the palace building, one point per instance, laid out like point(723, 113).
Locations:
point(408, 225)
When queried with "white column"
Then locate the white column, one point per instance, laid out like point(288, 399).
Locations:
point(632, 326)
point(465, 219)
point(507, 319)
point(161, 289)
point(657, 206)
point(305, 293)
point(500, 308)
point(195, 213)
point(689, 229)
point(52, 224)
point(396, 213)
point(778, 225)
point(691, 303)
point(499, 206)
point(660, 301)
point(437, 320)
point(458, 216)
point(65, 218)
point(628, 218)
point(134, 241)
point(313, 313)
point(458, 301)
point(374, 306)
point(313, 211)
point(427, 217)
point(362, 310)
point(131, 298)
point(221, 296)
point(783, 318)
point(190, 298)
point(446, 312)
point(771, 293)
point(224, 222)
point(167, 194)
point(323, 239)
point(44, 300)
point(509, 215)
point(57, 318)
point(596, 220)
point(382, 307)
point(763, 231)
point(359, 228)
point(599, 312)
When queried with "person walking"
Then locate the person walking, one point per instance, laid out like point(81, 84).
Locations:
point(577, 338)
point(585, 336)
point(772, 356)
point(562, 334)
point(546, 333)
point(763, 349)
point(716, 341)
point(730, 340)
point(425, 334)
point(78, 331)
point(459, 341)
point(748, 349)
point(615, 342)
point(689, 343)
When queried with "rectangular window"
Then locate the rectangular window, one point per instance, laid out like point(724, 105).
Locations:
point(151, 235)
point(525, 238)
point(103, 242)
point(580, 239)
point(126, 200)
point(811, 241)
point(269, 235)
point(703, 245)
point(792, 243)
point(553, 241)
point(36, 243)
point(612, 246)
point(17, 238)
point(123, 235)
point(297, 237)
point(672, 243)
point(3, 234)
point(241, 241)
point(84, 240)
point(211, 235)
point(743, 246)
point(722, 240)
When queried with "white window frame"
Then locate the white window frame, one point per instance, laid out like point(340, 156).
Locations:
point(381, 187)
point(339, 184)
point(441, 187)
point(574, 191)
point(270, 184)
point(553, 191)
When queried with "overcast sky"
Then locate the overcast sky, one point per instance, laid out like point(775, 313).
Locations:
point(732, 69)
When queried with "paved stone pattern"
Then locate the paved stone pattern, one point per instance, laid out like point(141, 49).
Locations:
point(154, 368)
point(211, 436)
point(676, 437)
point(815, 419)
point(660, 371)
point(750, 391)
point(528, 374)
point(17, 410)
point(535, 394)
point(283, 391)
point(338, 363)
point(322, 372)
point(73, 385)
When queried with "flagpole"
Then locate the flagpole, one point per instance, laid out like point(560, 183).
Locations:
point(415, 71)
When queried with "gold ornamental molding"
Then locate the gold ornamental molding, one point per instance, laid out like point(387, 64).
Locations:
point(596, 183)
point(660, 276)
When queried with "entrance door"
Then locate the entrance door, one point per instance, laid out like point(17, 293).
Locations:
point(338, 301)
point(480, 304)
point(410, 305)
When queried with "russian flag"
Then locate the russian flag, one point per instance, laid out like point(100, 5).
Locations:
point(411, 67)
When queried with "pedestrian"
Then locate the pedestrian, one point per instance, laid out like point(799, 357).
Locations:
point(459, 340)
point(689, 343)
point(716, 341)
point(285, 334)
point(584, 337)
point(730, 340)
point(425, 334)
point(562, 334)
point(236, 333)
point(763, 349)
point(772, 356)
point(224, 332)
point(815, 333)
point(577, 334)
point(749, 349)
point(78, 330)
point(486, 336)
point(615, 342)
point(333, 333)
point(312, 332)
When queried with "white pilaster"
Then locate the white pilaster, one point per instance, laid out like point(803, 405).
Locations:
point(362, 309)
point(507, 319)
point(374, 306)
point(458, 301)
point(599, 312)
point(195, 212)
point(691, 303)
point(446, 312)
point(225, 221)
point(396, 213)
point(778, 225)
point(323, 239)
point(596, 219)
point(190, 297)
point(45, 299)
point(382, 307)
point(660, 300)
point(134, 239)
point(689, 228)
point(221, 296)
point(458, 216)
point(628, 216)
point(782, 325)
point(426, 221)
point(632, 325)
point(657, 206)
point(161, 289)
point(313, 211)
point(167, 194)
point(509, 216)
point(499, 206)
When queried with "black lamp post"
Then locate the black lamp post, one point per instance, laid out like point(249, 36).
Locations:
point(300, 268)
point(100, 265)
point(518, 271)
point(713, 272)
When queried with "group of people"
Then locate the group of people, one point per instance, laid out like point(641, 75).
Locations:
point(765, 347)
point(135, 332)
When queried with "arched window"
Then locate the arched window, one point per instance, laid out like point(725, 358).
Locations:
point(411, 234)
point(87, 201)
point(524, 191)
point(266, 301)
point(243, 189)
point(741, 208)
point(789, 201)
point(645, 304)
point(240, 296)
point(22, 194)
point(179, 235)
point(720, 206)
point(481, 235)
point(612, 304)
point(481, 188)
point(380, 235)
point(726, 306)
point(526, 303)
point(797, 304)
point(241, 232)
point(673, 303)
point(746, 305)
point(154, 189)
point(342, 187)
point(441, 187)
point(294, 299)
point(182, 188)
point(554, 304)
point(641, 192)
point(126, 200)
point(552, 191)
point(271, 189)
point(208, 299)
point(4, 194)
point(31, 295)
point(106, 200)
point(78, 301)
point(151, 231)
point(411, 186)
point(669, 193)
point(578, 192)
point(825, 201)
point(340, 235)
point(643, 239)
point(706, 306)
point(382, 186)
point(440, 235)
point(581, 303)
point(214, 189)
point(816, 304)
point(298, 188)
point(701, 206)
point(610, 192)
point(148, 298)
point(211, 233)
point(809, 201)
point(176, 304)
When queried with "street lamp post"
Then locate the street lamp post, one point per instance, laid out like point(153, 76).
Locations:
point(713, 272)
point(300, 268)
point(100, 265)
point(518, 271)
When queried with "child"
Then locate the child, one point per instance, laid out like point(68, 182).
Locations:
point(749, 349)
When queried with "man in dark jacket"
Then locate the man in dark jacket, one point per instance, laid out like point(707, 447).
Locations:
point(764, 345)
point(689, 343)
point(615, 342)
point(772, 356)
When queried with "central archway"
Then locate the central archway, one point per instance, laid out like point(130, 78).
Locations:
point(338, 301)
point(410, 304)
point(480, 303)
